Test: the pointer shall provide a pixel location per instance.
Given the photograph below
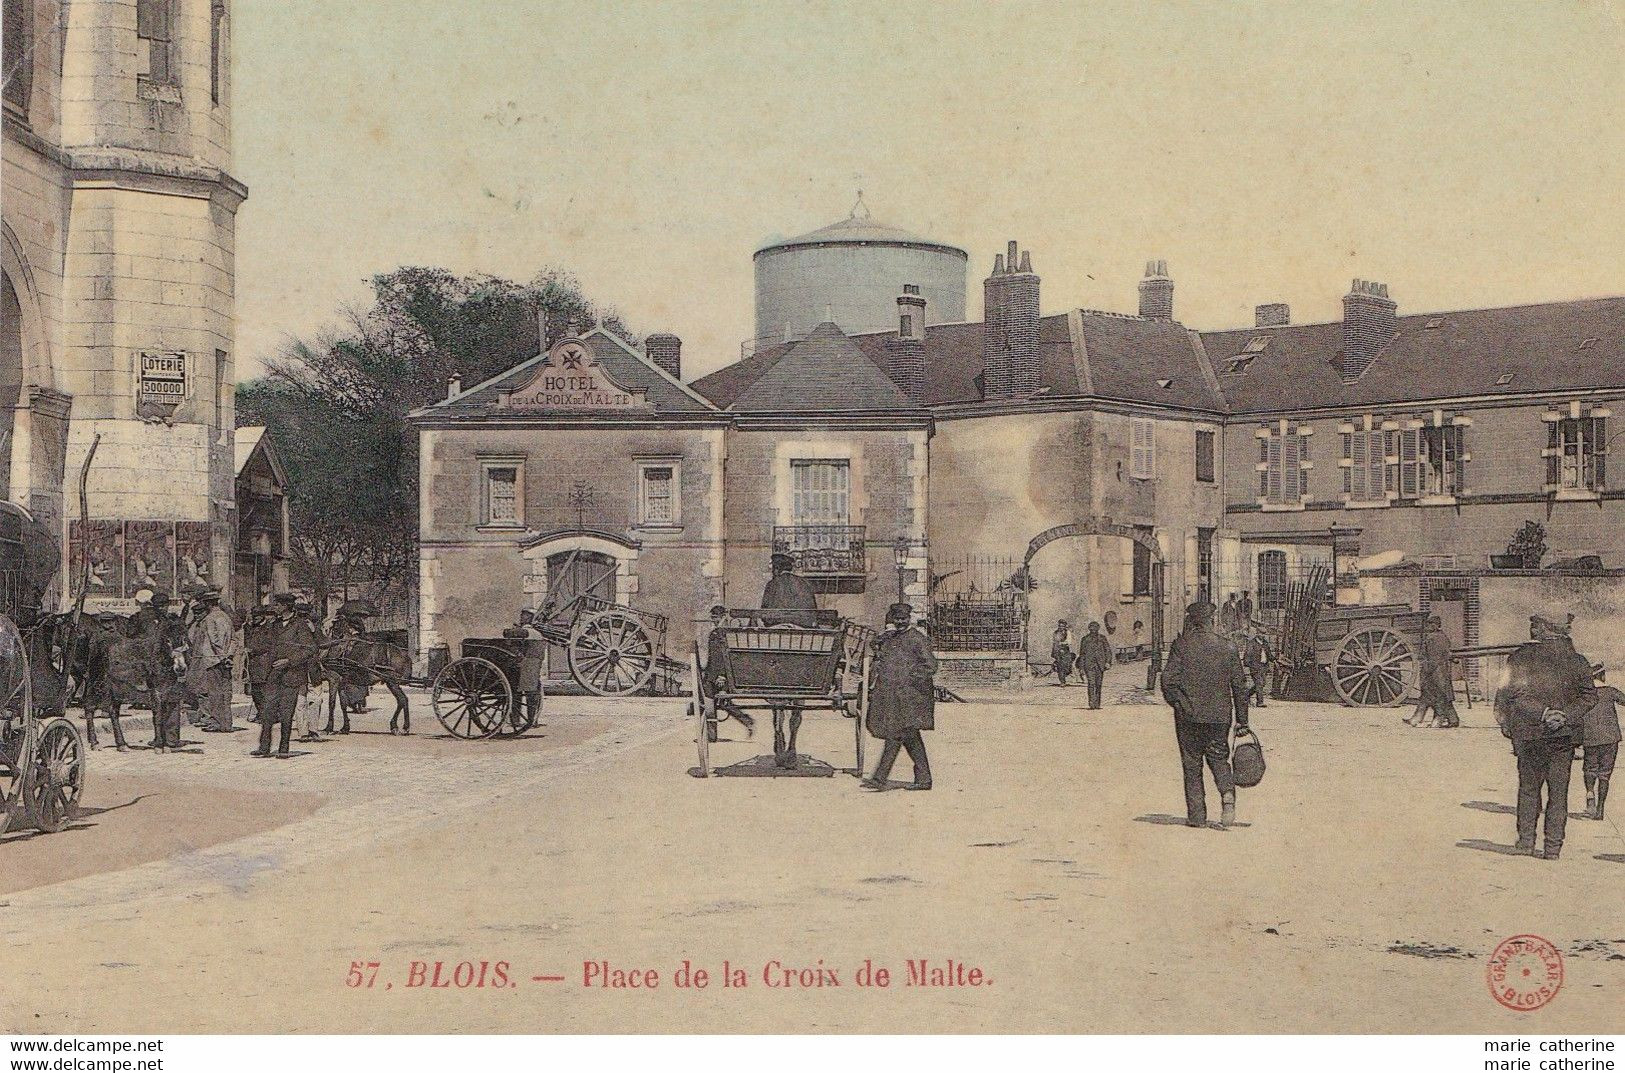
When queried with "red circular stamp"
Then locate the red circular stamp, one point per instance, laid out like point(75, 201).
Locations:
point(1525, 973)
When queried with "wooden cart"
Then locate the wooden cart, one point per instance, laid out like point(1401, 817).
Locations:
point(784, 659)
point(42, 761)
point(1370, 652)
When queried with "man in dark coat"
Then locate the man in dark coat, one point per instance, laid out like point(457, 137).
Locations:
point(1060, 651)
point(1205, 684)
point(257, 643)
point(1244, 609)
point(902, 698)
point(1600, 737)
point(786, 591)
point(1437, 688)
point(1227, 615)
point(292, 644)
point(1541, 707)
point(1094, 656)
point(166, 653)
point(1256, 655)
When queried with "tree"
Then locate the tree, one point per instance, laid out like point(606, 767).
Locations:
point(336, 408)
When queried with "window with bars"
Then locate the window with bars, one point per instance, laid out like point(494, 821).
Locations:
point(657, 494)
point(820, 491)
point(1142, 448)
point(1204, 456)
point(1272, 580)
point(1281, 477)
point(155, 40)
point(1577, 454)
point(501, 495)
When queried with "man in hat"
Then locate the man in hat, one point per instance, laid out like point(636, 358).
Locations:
point(1541, 706)
point(1437, 689)
point(1094, 656)
point(1244, 609)
point(1227, 616)
point(1256, 657)
point(902, 698)
point(257, 665)
point(211, 644)
point(1205, 684)
point(292, 648)
point(786, 591)
point(1600, 736)
point(1060, 651)
point(164, 639)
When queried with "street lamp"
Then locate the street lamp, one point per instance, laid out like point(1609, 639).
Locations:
point(900, 550)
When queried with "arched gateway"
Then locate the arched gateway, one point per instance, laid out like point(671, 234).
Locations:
point(1106, 527)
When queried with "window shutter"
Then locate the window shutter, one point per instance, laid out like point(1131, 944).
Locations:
point(1409, 462)
point(1273, 487)
point(1291, 474)
point(1600, 453)
point(1552, 459)
point(1358, 475)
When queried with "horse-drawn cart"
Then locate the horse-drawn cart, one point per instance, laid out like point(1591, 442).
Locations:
point(42, 761)
point(1362, 654)
point(780, 661)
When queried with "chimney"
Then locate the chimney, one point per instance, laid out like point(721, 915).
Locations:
point(1010, 353)
point(1157, 292)
point(1370, 322)
point(454, 385)
point(1273, 315)
point(666, 351)
point(905, 355)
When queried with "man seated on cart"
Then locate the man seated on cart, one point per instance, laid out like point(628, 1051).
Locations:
point(787, 591)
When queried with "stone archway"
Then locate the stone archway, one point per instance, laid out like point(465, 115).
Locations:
point(1088, 527)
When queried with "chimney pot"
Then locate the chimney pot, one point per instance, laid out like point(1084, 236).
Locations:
point(905, 354)
point(1010, 352)
point(454, 385)
point(1157, 292)
point(998, 264)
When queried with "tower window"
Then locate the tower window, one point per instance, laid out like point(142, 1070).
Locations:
point(155, 37)
point(17, 35)
point(217, 16)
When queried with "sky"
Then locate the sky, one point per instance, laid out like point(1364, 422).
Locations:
point(1466, 154)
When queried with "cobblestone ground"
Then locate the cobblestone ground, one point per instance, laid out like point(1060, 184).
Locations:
point(1363, 891)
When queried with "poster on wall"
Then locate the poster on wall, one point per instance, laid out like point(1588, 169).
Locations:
point(149, 557)
point(104, 541)
point(192, 544)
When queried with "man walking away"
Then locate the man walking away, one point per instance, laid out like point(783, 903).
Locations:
point(1094, 656)
point(902, 698)
point(1258, 656)
point(1060, 651)
point(1601, 740)
point(292, 648)
point(1227, 615)
point(1541, 708)
point(1205, 684)
point(1438, 684)
point(1244, 610)
point(211, 646)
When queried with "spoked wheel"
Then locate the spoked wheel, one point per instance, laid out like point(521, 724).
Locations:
point(519, 719)
point(17, 717)
point(56, 777)
point(472, 697)
point(611, 654)
point(1374, 667)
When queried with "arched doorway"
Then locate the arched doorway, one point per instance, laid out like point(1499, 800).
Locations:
point(11, 375)
point(571, 566)
point(1148, 572)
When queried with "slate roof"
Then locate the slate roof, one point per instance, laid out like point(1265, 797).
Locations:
point(826, 371)
point(1535, 347)
point(855, 229)
point(624, 365)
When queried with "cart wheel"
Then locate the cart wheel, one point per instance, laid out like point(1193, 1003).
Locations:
point(611, 653)
point(472, 697)
point(519, 720)
point(56, 779)
point(704, 722)
point(1374, 667)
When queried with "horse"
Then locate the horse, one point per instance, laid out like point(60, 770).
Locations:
point(356, 661)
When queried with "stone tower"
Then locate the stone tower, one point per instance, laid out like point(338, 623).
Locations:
point(119, 239)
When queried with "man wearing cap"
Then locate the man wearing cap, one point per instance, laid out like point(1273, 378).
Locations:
point(1257, 657)
point(1541, 706)
point(291, 644)
point(257, 665)
point(902, 700)
point(211, 644)
point(164, 640)
point(1205, 684)
point(1094, 656)
point(1601, 738)
point(1060, 651)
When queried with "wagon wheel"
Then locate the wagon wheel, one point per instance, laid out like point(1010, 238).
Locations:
point(1374, 667)
point(472, 697)
point(704, 721)
point(56, 776)
point(19, 711)
point(611, 653)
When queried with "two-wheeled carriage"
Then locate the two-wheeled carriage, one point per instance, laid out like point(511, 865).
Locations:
point(777, 661)
point(42, 761)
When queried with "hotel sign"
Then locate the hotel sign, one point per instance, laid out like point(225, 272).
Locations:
point(570, 378)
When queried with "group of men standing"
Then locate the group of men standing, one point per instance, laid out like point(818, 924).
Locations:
point(168, 657)
point(1092, 657)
